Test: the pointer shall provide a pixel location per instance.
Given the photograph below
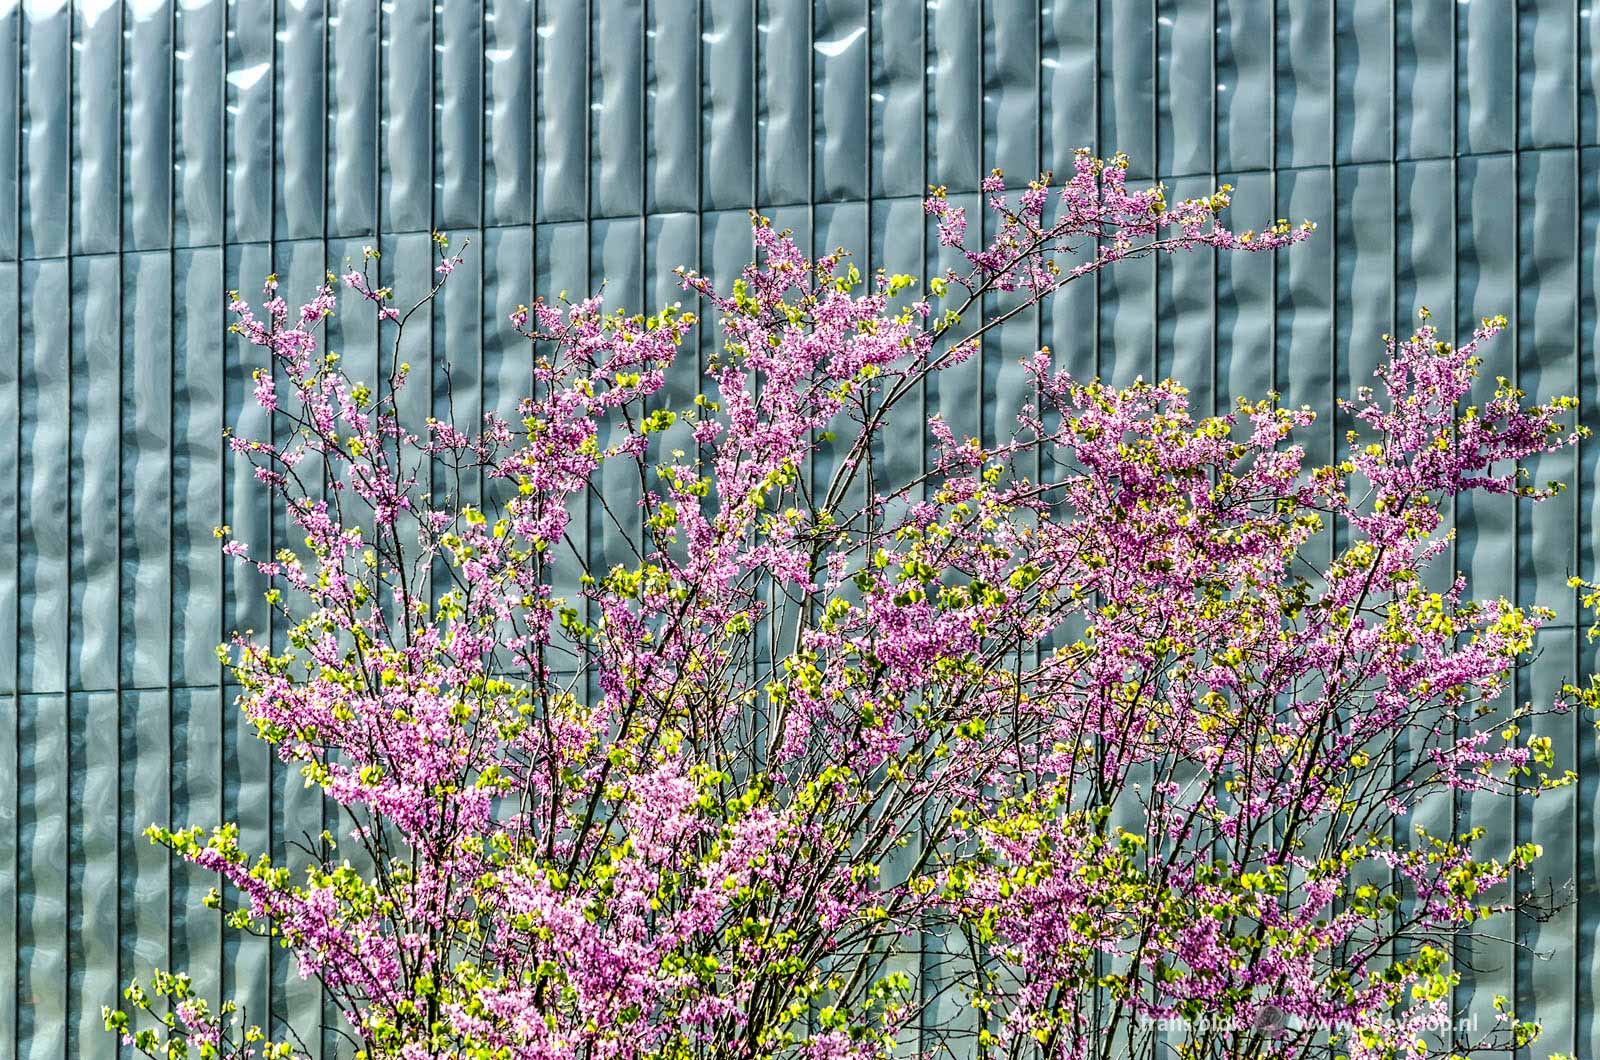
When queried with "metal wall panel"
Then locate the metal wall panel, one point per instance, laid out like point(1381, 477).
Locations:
point(161, 151)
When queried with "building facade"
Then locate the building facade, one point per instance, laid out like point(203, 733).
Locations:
point(167, 150)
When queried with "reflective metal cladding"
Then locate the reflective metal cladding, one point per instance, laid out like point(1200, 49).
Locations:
point(166, 150)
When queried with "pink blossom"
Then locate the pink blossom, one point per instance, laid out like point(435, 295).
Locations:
point(1129, 708)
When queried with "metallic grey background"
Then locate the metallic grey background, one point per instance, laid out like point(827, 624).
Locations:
point(166, 151)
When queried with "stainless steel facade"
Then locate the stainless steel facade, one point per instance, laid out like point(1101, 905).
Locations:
point(155, 153)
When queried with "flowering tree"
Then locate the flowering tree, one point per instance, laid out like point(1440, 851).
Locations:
point(1062, 749)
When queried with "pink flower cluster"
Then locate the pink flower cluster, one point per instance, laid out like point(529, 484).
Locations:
point(1080, 706)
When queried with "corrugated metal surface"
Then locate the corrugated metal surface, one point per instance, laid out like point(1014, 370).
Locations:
point(158, 152)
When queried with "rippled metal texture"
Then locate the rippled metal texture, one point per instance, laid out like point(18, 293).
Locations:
point(164, 151)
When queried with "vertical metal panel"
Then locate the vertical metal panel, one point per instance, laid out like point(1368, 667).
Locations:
point(197, 66)
point(1302, 95)
point(158, 148)
point(42, 909)
point(250, 127)
point(672, 109)
point(297, 1003)
point(1244, 90)
point(899, 124)
point(616, 82)
point(725, 247)
point(1364, 91)
point(1365, 238)
point(10, 702)
point(1486, 101)
point(1069, 323)
point(1487, 227)
point(92, 867)
point(1186, 96)
point(671, 240)
point(1127, 322)
point(44, 131)
point(840, 64)
point(1069, 50)
point(1303, 368)
point(1546, 314)
point(145, 499)
point(352, 119)
point(406, 141)
point(92, 518)
point(1011, 90)
point(727, 95)
point(1424, 78)
point(1187, 286)
point(843, 226)
point(11, 120)
point(1585, 35)
point(458, 109)
point(10, 474)
point(507, 282)
point(196, 460)
point(42, 464)
point(1545, 71)
point(508, 36)
point(144, 798)
point(954, 42)
point(1127, 83)
point(246, 507)
point(145, 193)
point(783, 102)
point(1424, 239)
point(301, 122)
point(561, 98)
point(96, 150)
point(1246, 365)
